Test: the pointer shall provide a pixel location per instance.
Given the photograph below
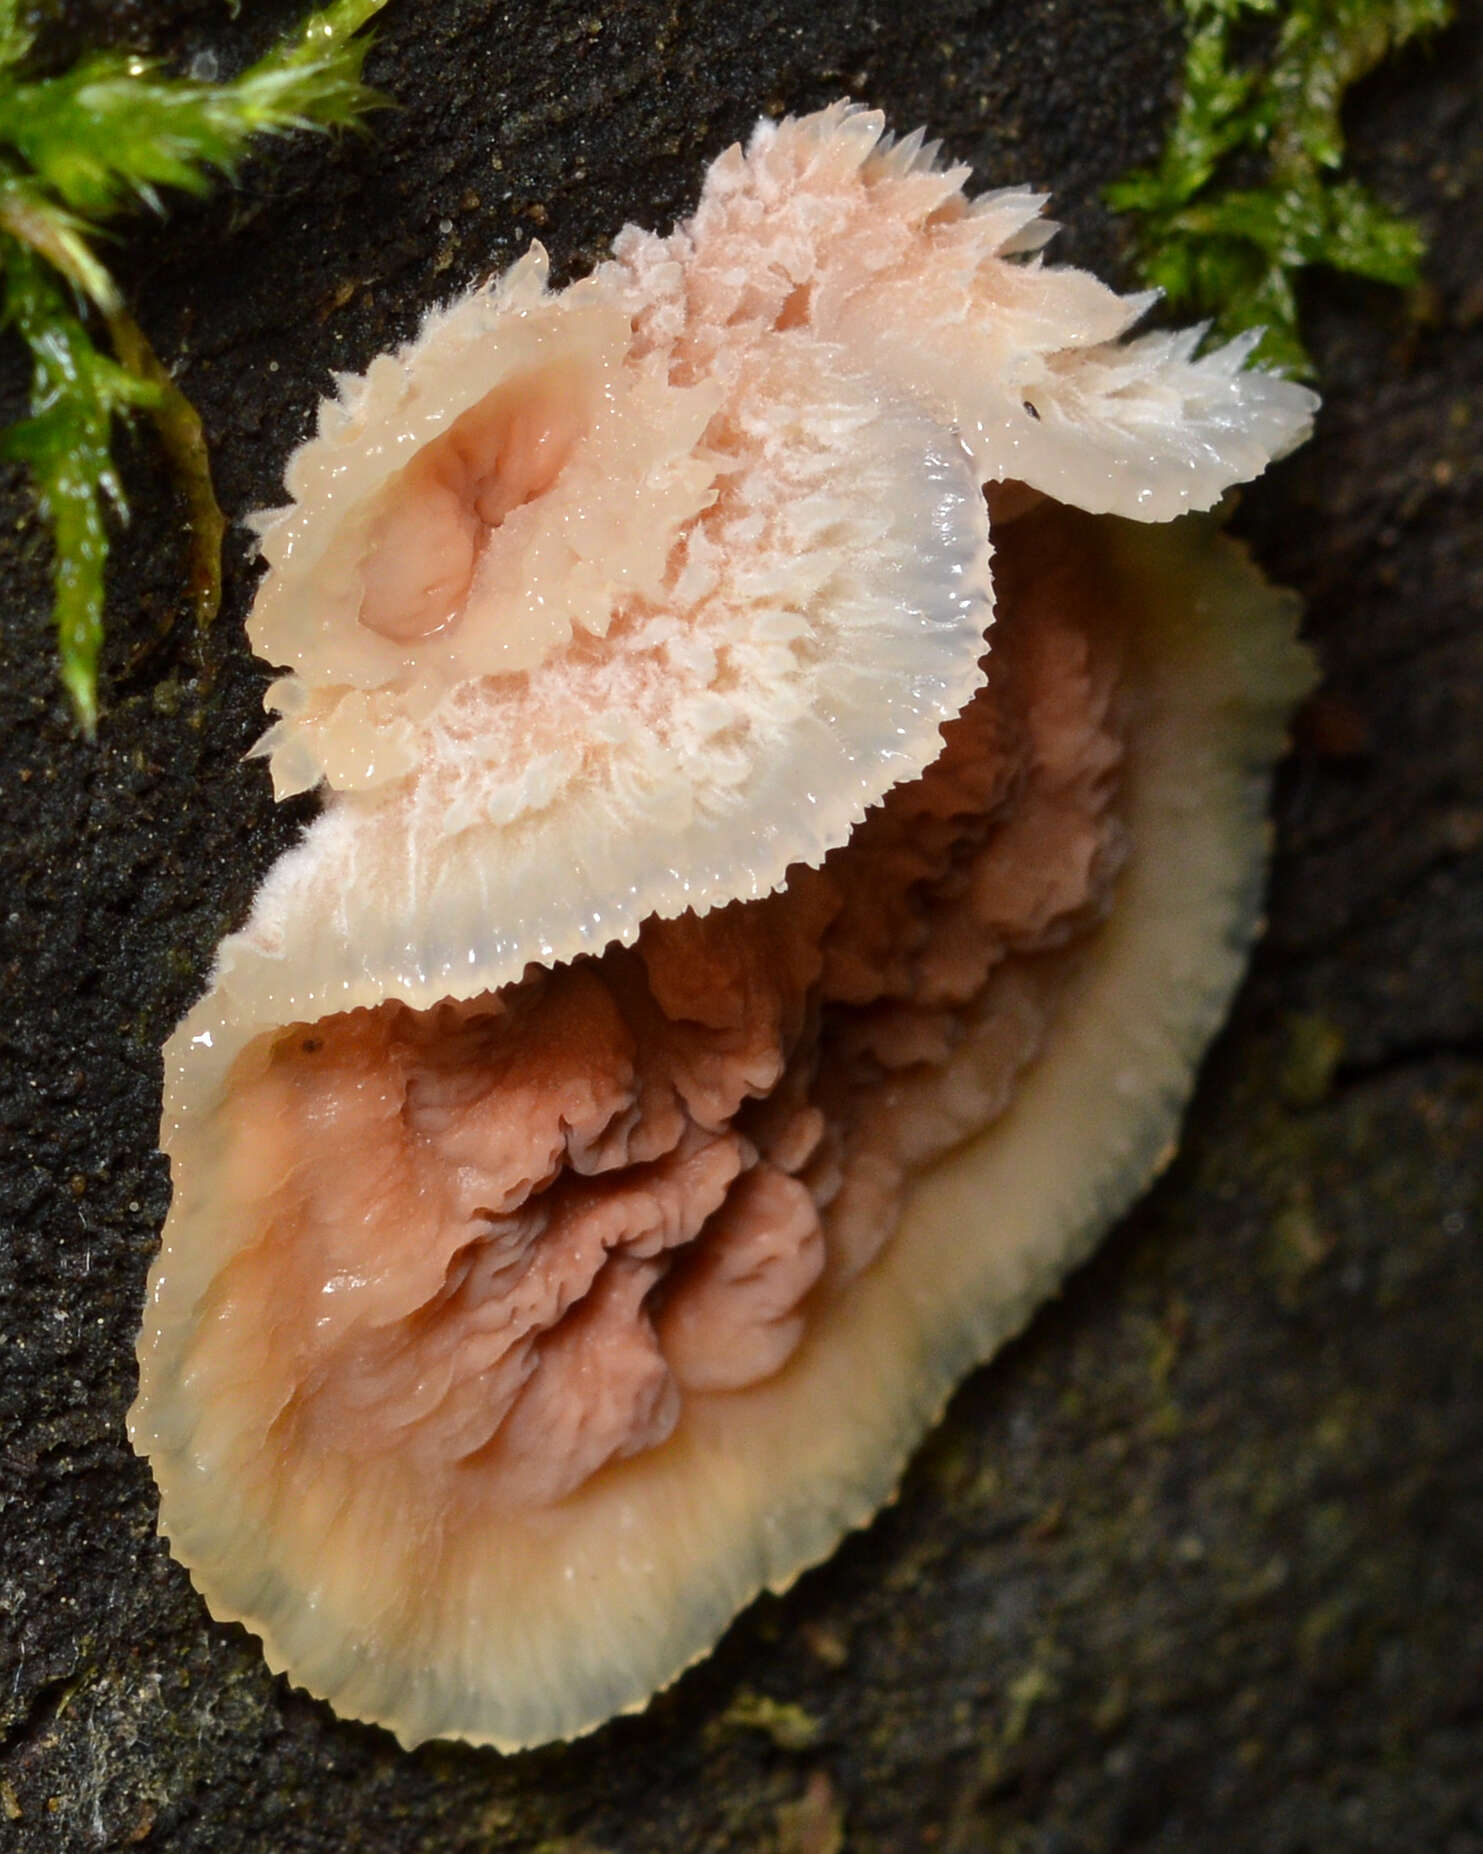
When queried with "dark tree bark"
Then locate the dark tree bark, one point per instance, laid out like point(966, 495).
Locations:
point(1196, 1564)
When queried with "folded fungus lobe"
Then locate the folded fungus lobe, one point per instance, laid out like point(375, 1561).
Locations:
point(794, 817)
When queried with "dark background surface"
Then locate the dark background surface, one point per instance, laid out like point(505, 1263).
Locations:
point(1198, 1564)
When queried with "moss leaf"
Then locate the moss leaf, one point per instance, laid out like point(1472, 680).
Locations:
point(76, 392)
point(114, 130)
point(1249, 190)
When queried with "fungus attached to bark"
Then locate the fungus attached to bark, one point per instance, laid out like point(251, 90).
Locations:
point(790, 838)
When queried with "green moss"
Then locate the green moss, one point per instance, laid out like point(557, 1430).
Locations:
point(788, 1726)
point(1250, 190)
point(1315, 1048)
point(77, 149)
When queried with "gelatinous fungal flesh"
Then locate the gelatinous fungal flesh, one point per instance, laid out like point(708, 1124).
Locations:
point(792, 827)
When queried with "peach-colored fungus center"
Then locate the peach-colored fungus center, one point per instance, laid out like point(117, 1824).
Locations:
point(509, 1237)
point(433, 522)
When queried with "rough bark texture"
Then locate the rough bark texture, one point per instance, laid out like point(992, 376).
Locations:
point(1199, 1562)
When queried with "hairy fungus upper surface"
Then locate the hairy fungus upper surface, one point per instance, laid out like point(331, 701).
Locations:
point(787, 846)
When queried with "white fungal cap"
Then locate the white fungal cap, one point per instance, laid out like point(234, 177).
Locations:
point(646, 456)
point(828, 222)
point(828, 615)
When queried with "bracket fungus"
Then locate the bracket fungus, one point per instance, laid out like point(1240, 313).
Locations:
point(794, 820)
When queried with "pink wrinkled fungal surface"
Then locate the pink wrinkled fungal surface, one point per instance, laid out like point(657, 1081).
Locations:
point(508, 1234)
point(791, 827)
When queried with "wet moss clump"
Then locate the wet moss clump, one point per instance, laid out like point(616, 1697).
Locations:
point(1251, 189)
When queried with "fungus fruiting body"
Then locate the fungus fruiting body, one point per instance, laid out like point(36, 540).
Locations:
point(792, 825)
